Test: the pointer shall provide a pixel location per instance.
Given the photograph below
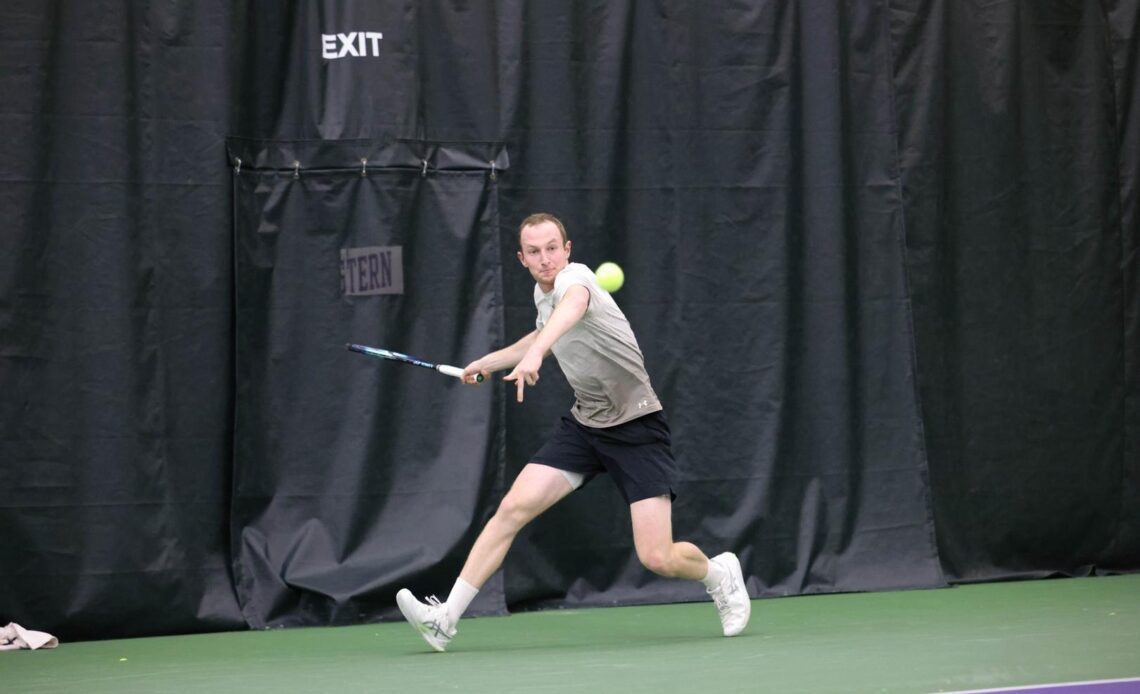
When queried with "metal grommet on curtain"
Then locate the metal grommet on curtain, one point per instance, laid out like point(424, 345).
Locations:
point(363, 167)
point(296, 169)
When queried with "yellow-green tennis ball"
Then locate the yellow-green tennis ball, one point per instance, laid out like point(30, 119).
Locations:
point(610, 276)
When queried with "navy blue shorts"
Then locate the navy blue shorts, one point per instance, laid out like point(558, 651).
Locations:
point(637, 454)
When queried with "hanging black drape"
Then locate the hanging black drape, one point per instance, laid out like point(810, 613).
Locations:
point(882, 259)
point(116, 389)
point(740, 166)
point(351, 475)
point(1022, 261)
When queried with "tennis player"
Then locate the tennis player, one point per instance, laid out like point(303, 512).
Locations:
point(616, 425)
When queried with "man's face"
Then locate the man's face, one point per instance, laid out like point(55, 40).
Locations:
point(543, 253)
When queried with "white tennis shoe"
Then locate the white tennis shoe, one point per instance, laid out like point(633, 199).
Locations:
point(430, 620)
point(731, 597)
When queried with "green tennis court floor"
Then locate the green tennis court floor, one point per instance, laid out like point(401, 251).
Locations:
point(967, 637)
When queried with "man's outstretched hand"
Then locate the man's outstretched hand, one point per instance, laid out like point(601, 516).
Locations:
point(525, 373)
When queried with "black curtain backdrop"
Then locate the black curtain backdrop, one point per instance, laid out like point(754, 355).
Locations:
point(1022, 270)
point(882, 259)
point(1123, 36)
point(739, 164)
point(116, 340)
point(352, 474)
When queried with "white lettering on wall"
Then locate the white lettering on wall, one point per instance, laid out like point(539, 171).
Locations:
point(352, 44)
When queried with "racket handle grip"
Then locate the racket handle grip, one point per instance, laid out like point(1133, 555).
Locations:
point(456, 372)
point(453, 371)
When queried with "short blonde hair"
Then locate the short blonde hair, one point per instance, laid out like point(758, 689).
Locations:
point(539, 218)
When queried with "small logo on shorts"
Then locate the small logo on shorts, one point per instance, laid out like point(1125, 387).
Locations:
point(643, 404)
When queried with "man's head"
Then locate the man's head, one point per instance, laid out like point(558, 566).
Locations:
point(544, 249)
point(538, 218)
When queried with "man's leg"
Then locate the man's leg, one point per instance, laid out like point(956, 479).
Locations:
point(653, 539)
point(537, 488)
point(721, 575)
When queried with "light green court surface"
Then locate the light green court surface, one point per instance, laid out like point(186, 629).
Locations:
point(968, 637)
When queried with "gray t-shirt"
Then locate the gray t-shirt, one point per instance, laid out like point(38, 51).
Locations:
point(598, 354)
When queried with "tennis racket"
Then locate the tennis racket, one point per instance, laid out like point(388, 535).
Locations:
point(444, 369)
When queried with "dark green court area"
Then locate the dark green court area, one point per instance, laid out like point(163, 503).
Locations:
point(967, 637)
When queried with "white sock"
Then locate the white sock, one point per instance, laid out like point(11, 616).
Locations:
point(715, 575)
point(462, 593)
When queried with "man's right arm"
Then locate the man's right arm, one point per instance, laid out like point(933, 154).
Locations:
point(505, 358)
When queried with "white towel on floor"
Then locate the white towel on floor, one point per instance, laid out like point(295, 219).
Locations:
point(14, 636)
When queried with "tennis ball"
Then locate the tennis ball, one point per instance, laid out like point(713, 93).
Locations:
point(610, 276)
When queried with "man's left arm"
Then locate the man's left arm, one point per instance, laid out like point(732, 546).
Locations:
point(569, 311)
